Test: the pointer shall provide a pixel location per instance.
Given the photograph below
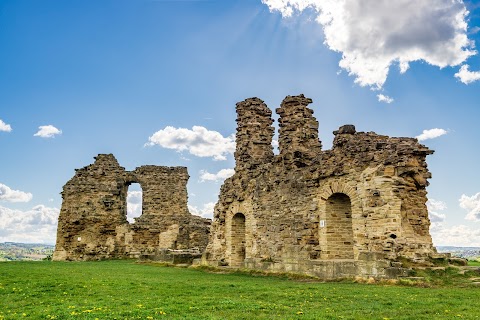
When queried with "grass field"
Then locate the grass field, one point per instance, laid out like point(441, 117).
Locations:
point(474, 263)
point(127, 290)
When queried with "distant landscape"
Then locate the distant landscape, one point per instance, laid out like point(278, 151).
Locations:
point(13, 251)
point(470, 253)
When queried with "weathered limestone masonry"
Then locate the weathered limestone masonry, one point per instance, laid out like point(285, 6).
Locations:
point(93, 223)
point(356, 209)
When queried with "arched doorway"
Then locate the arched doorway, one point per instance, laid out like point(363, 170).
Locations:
point(238, 240)
point(339, 231)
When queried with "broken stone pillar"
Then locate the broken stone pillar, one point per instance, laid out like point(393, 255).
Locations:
point(94, 205)
point(254, 134)
point(298, 134)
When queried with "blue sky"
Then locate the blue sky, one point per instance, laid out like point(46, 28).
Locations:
point(156, 82)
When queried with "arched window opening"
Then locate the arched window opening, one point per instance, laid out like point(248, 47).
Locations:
point(238, 240)
point(134, 202)
point(339, 227)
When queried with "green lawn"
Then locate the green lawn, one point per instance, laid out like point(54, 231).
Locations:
point(126, 290)
point(474, 263)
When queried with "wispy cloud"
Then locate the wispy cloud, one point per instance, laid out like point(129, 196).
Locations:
point(199, 141)
point(7, 194)
point(466, 76)
point(459, 235)
point(433, 207)
point(37, 225)
point(474, 30)
point(431, 134)
point(219, 176)
point(384, 98)
point(472, 205)
point(206, 211)
point(48, 131)
point(374, 35)
point(5, 127)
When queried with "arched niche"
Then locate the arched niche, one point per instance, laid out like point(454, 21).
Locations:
point(338, 224)
point(339, 228)
point(237, 240)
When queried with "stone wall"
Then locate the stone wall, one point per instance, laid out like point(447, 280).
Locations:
point(93, 224)
point(356, 209)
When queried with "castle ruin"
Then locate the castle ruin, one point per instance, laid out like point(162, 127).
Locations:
point(93, 220)
point(356, 209)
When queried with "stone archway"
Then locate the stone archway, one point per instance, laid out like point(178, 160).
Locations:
point(237, 240)
point(338, 224)
point(339, 211)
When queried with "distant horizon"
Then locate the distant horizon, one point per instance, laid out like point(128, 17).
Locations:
point(53, 245)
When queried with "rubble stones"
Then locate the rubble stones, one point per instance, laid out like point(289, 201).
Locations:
point(93, 225)
point(356, 209)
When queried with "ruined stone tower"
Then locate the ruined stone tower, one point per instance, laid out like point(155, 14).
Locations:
point(254, 134)
point(93, 220)
point(298, 135)
point(356, 209)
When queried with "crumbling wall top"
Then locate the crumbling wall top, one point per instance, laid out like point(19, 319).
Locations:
point(254, 134)
point(298, 135)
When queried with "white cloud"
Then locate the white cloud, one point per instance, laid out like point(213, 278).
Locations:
point(436, 217)
point(433, 207)
point(5, 127)
point(474, 30)
point(199, 141)
point(38, 225)
point(220, 175)
point(47, 132)
point(466, 76)
point(460, 236)
point(431, 134)
point(205, 212)
point(275, 143)
point(374, 34)
point(384, 98)
point(7, 194)
point(134, 205)
point(436, 205)
point(472, 205)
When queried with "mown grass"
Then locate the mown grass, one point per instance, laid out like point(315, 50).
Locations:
point(127, 290)
point(474, 263)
